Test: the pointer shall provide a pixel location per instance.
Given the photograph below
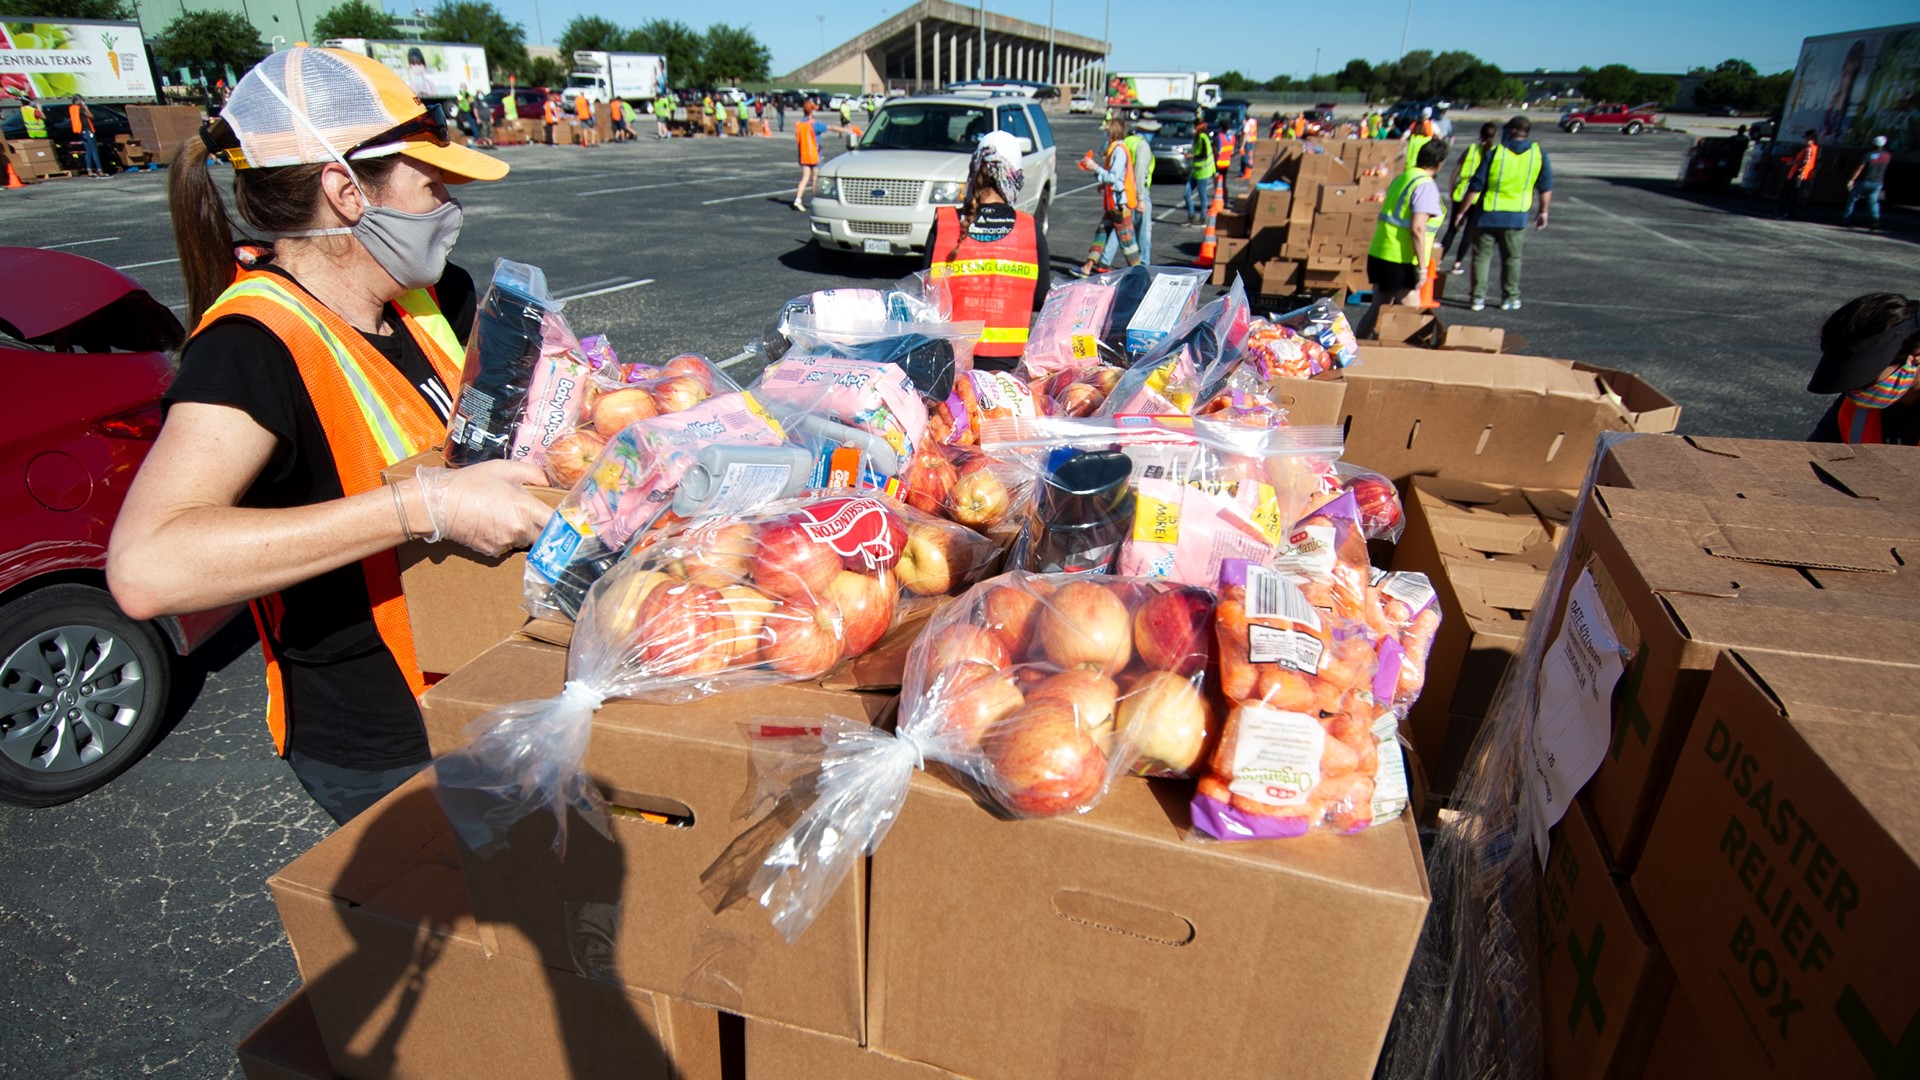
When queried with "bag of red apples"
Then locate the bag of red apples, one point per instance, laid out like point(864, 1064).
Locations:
point(784, 593)
point(1033, 690)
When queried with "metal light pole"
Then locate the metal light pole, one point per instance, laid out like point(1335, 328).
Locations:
point(823, 34)
point(1405, 29)
point(981, 71)
point(539, 28)
point(1316, 60)
point(1107, 43)
point(1052, 72)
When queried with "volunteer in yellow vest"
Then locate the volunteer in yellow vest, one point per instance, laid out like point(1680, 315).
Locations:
point(1462, 224)
point(1120, 194)
point(34, 119)
point(1140, 156)
point(1403, 238)
point(324, 361)
point(1514, 177)
point(993, 257)
point(1200, 174)
point(740, 114)
point(1870, 356)
point(1419, 134)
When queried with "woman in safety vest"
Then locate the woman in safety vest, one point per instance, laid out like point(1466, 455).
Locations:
point(1466, 212)
point(1402, 251)
point(1870, 356)
point(992, 256)
point(806, 136)
point(312, 369)
point(583, 119)
point(1200, 174)
point(1117, 189)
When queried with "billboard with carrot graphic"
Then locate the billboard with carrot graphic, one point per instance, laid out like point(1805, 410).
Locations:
point(52, 61)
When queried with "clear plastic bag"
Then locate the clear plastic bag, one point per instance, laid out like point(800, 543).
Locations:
point(978, 397)
point(1169, 377)
point(621, 395)
point(861, 420)
point(1033, 691)
point(1070, 332)
point(1081, 391)
point(1149, 304)
point(784, 593)
point(916, 298)
point(1326, 324)
point(516, 322)
point(1312, 738)
point(931, 353)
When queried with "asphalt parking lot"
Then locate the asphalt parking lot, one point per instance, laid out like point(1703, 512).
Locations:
point(135, 923)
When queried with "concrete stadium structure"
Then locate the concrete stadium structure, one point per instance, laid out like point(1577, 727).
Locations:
point(935, 42)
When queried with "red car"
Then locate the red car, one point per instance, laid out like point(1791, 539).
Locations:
point(1630, 121)
point(83, 688)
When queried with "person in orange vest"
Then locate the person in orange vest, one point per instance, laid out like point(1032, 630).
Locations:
point(80, 121)
point(1870, 357)
point(550, 114)
point(330, 357)
point(806, 135)
point(583, 119)
point(1119, 192)
point(1799, 175)
point(993, 257)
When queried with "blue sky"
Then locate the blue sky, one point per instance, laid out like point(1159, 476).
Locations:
point(1262, 38)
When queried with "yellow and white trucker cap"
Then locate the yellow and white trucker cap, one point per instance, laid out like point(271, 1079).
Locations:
point(356, 105)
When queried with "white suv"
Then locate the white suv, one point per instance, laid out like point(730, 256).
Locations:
point(879, 199)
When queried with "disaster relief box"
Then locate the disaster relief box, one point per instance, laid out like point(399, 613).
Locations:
point(1679, 578)
point(628, 909)
point(1678, 1051)
point(1783, 869)
point(286, 1045)
point(778, 1052)
point(401, 985)
point(461, 603)
point(1603, 981)
point(1112, 945)
point(1513, 420)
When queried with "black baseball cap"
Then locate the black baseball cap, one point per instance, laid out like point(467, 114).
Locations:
point(1857, 365)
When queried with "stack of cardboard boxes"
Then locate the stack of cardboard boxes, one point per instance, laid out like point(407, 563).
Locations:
point(1745, 859)
point(32, 160)
point(1311, 236)
point(160, 129)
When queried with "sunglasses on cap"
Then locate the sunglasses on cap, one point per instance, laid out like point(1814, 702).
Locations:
point(220, 138)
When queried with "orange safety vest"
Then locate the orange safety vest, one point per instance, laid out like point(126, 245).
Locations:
point(78, 121)
point(583, 108)
point(1803, 165)
point(989, 280)
point(613, 110)
point(1858, 425)
point(809, 142)
point(1223, 160)
point(372, 417)
point(1133, 190)
point(552, 111)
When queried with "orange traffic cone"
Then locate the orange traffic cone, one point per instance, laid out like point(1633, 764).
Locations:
point(1210, 238)
point(1428, 283)
point(13, 178)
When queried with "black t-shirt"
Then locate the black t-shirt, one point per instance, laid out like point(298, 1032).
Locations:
point(347, 702)
point(996, 222)
point(1899, 425)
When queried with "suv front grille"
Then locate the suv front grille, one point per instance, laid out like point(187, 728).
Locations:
point(879, 228)
point(860, 192)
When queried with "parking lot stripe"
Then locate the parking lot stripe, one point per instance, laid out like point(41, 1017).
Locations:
point(669, 183)
point(736, 358)
point(156, 262)
point(603, 292)
point(1655, 232)
point(755, 195)
point(78, 243)
point(1078, 190)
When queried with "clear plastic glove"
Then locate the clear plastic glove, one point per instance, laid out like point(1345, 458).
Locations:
point(485, 506)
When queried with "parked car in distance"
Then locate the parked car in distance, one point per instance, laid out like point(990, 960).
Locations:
point(83, 688)
point(880, 199)
point(528, 103)
point(108, 121)
point(1080, 103)
point(1172, 143)
point(1631, 120)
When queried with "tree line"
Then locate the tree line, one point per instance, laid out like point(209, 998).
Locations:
point(212, 43)
point(1464, 77)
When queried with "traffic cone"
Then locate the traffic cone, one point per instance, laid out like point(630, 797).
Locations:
point(1209, 239)
point(1427, 299)
point(13, 178)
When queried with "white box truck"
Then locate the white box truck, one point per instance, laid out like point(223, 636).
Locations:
point(1133, 93)
point(50, 60)
point(636, 78)
point(435, 69)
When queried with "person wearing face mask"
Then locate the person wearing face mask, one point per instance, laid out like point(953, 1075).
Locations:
point(323, 351)
point(1870, 356)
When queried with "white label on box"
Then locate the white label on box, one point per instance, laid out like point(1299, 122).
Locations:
point(1276, 755)
point(1573, 708)
point(746, 487)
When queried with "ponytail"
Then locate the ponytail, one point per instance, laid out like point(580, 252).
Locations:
point(970, 210)
point(201, 233)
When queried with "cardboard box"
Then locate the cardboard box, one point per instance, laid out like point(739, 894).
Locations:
point(629, 909)
point(1518, 420)
point(401, 986)
point(1233, 223)
point(1408, 327)
point(1483, 339)
point(461, 603)
point(777, 1052)
point(1341, 199)
point(1838, 473)
point(1271, 210)
point(1331, 227)
point(1603, 981)
point(1228, 258)
point(1677, 588)
point(286, 1045)
point(163, 128)
point(1679, 1052)
point(1781, 874)
point(1110, 945)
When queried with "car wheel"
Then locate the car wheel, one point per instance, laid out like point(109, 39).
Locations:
point(83, 692)
point(1574, 126)
point(1043, 211)
point(1633, 128)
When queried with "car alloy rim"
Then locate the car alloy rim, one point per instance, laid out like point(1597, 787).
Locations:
point(67, 698)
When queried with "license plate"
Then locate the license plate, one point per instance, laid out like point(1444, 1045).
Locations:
point(877, 247)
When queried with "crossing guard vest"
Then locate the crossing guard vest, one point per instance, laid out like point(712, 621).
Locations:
point(1393, 233)
point(1510, 180)
point(1469, 165)
point(372, 418)
point(989, 280)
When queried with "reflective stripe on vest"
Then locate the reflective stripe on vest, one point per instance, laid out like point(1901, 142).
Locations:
point(1468, 167)
point(1393, 233)
point(990, 280)
point(1133, 192)
point(809, 142)
point(371, 418)
point(1203, 166)
point(35, 121)
point(1223, 158)
point(1858, 425)
point(1510, 180)
point(1142, 152)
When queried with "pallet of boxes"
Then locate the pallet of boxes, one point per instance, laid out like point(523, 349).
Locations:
point(1726, 741)
point(1012, 932)
point(32, 160)
point(1303, 227)
point(159, 130)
